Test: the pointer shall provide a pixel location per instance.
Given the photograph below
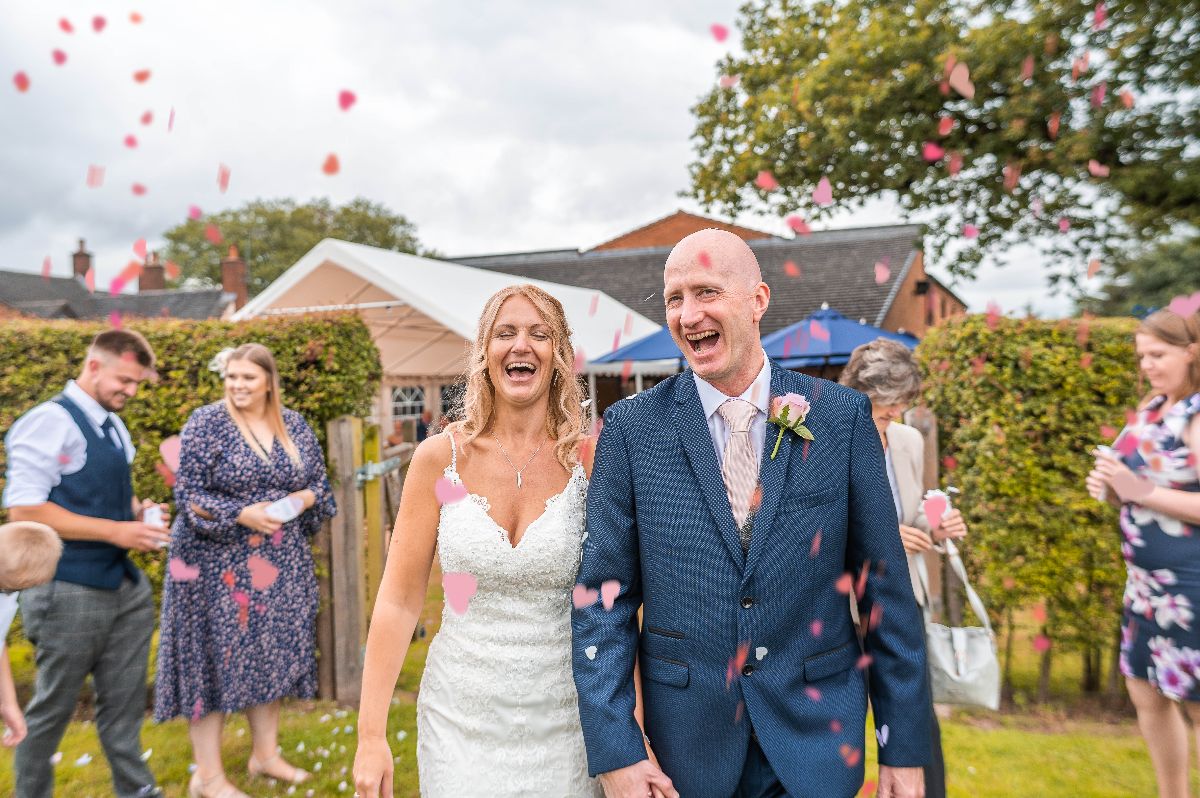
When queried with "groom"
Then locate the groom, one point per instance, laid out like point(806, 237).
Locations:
point(754, 683)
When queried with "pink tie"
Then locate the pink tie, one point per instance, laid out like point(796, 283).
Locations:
point(740, 469)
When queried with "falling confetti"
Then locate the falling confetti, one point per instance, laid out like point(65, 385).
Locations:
point(131, 141)
point(1064, 224)
point(736, 663)
point(171, 121)
point(172, 270)
point(1093, 268)
point(448, 492)
point(46, 268)
point(932, 151)
point(98, 23)
point(222, 178)
point(704, 259)
point(1098, 94)
point(815, 548)
point(1097, 169)
point(818, 330)
point(1041, 644)
point(817, 627)
point(1012, 175)
point(766, 181)
point(791, 269)
point(21, 81)
point(844, 584)
point(194, 212)
point(346, 99)
point(114, 320)
point(945, 125)
point(955, 164)
point(798, 225)
point(1027, 69)
point(1099, 16)
point(89, 279)
point(850, 755)
point(823, 193)
point(970, 231)
point(460, 587)
point(1126, 98)
point(66, 26)
point(331, 165)
point(960, 80)
point(138, 189)
point(135, 18)
point(719, 32)
point(608, 593)
point(59, 57)
point(582, 596)
point(882, 271)
point(212, 233)
point(147, 118)
point(728, 81)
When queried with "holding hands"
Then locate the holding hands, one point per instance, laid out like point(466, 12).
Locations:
point(640, 780)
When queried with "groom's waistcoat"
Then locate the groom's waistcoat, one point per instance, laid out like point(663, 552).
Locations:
point(762, 640)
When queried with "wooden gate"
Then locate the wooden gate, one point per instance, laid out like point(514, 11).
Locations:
point(351, 548)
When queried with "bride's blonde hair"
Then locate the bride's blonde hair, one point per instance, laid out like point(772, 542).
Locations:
point(564, 419)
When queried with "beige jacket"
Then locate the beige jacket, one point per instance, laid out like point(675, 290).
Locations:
point(907, 447)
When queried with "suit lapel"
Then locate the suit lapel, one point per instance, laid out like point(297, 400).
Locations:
point(693, 432)
point(772, 474)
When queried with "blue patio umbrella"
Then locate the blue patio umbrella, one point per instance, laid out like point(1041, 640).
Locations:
point(826, 338)
point(655, 346)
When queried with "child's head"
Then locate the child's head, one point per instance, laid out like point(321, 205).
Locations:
point(29, 554)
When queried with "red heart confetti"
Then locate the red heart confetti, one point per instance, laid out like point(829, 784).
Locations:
point(844, 584)
point(1185, 305)
point(135, 18)
point(139, 248)
point(46, 268)
point(89, 279)
point(1041, 644)
point(960, 80)
point(835, 726)
point(21, 81)
point(346, 99)
point(956, 163)
point(331, 165)
point(850, 755)
point(172, 270)
point(1097, 169)
point(798, 225)
point(766, 181)
point(114, 320)
point(719, 32)
point(460, 588)
point(59, 57)
point(864, 662)
point(583, 596)
point(448, 492)
point(816, 627)
point(222, 178)
point(182, 572)
point(945, 125)
point(882, 272)
point(970, 231)
point(194, 212)
point(1027, 69)
point(213, 234)
point(704, 259)
point(1093, 268)
point(147, 117)
point(823, 193)
point(98, 23)
point(813, 693)
point(609, 591)
point(66, 26)
point(932, 151)
point(949, 462)
point(728, 81)
point(815, 548)
point(1098, 94)
point(734, 669)
point(1038, 613)
point(262, 573)
point(1126, 98)
point(142, 75)
point(131, 141)
point(791, 269)
point(818, 331)
point(1052, 125)
point(1064, 224)
point(138, 189)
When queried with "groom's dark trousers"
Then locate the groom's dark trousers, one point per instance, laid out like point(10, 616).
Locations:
point(758, 779)
point(737, 639)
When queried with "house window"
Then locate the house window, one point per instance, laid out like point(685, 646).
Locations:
point(408, 402)
point(451, 398)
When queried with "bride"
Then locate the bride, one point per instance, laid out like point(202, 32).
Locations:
point(500, 495)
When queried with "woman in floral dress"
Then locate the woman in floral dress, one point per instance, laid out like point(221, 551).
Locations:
point(1153, 475)
point(240, 599)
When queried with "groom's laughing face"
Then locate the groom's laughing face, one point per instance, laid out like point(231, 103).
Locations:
point(715, 298)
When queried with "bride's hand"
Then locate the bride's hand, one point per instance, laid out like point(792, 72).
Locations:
point(373, 768)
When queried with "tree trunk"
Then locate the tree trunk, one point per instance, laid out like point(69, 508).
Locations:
point(1112, 690)
point(1043, 689)
point(1092, 669)
point(1006, 690)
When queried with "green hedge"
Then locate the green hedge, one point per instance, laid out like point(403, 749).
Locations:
point(1021, 403)
point(329, 366)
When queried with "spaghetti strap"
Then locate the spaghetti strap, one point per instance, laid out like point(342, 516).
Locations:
point(453, 453)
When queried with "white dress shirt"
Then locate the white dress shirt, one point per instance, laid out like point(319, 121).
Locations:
point(45, 444)
point(8, 611)
point(758, 394)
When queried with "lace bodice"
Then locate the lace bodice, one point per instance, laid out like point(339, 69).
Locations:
point(497, 712)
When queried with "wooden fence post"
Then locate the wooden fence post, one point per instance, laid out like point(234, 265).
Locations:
point(346, 567)
point(373, 504)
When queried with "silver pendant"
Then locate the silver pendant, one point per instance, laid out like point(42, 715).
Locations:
point(518, 480)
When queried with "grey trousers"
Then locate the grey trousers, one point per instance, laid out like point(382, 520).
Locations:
point(79, 631)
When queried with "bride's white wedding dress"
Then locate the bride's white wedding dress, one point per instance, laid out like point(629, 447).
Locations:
point(497, 712)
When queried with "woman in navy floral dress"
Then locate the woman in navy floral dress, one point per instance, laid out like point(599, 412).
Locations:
point(240, 600)
point(1154, 477)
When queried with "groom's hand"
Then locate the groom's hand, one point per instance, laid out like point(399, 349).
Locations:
point(639, 780)
point(901, 782)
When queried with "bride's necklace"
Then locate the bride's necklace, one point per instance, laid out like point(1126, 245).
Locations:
point(510, 462)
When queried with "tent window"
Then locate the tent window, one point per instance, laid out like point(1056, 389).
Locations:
point(408, 402)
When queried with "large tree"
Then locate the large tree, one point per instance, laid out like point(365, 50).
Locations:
point(1076, 125)
point(1149, 280)
point(271, 235)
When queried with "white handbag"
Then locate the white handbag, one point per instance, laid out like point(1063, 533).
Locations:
point(963, 666)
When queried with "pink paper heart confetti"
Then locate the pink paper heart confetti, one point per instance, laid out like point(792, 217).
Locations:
point(932, 151)
point(1097, 169)
point(1064, 224)
point(955, 164)
point(791, 269)
point(719, 31)
point(609, 591)
point(460, 587)
point(147, 118)
point(346, 99)
point(331, 166)
point(823, 193)
point(1093, 268)
point(171, 121)
point(844, 584)
point(141, 76)
point(1126, 98)
point(95, 176)
point(960, 80)
point(66, 26)
point(46, 264)
point(1185, 305)
point(815, 548)
point(1052, 125)
point(594, 304)
point(139, 248)
point(945, 125)
point(728, 81)
point(816, 627)
point(818, 330)
point(213, 234)
point(766, 181)
point(1027, 69)
point(970, 231)
point(222, 178)
point(935, 508)
point(182, 572)
point(448, 492)
point(169, 448)
point(262, 572)
point(882, 272)
point(194, 212)
point(798, 225)
point(704, 259)
point(114, 319)
point(813, 693)
point(582, 596)
point(1131, 488)
point(21, 81)
point(1041, 644)
point(138, 189)
point(131, 141)
point(1099, 16)
point(59, 57)
point(89, 280)
point(1098, 94)
point(98, 23)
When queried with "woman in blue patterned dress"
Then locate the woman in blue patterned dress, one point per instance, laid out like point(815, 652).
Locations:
point(1153, 476)
point(240, 600)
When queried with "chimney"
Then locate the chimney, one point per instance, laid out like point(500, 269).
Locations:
point(233, 277)
point(82, 260)
point(153, 277)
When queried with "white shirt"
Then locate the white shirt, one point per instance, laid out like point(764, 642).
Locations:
point(758, 394)
point(891, 474)
point(8, 611)
point(45, 444)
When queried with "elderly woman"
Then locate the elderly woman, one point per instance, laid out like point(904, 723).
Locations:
point(885, 371)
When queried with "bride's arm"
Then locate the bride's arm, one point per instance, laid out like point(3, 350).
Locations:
point(638, 712)
point(397, 609)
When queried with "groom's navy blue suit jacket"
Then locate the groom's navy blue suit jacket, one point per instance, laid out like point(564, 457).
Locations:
point(659, 522)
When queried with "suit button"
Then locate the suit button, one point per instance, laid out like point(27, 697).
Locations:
point(747, 670)
point(747, 602)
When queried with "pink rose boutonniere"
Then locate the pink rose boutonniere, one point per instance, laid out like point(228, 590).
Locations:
point(788, 413)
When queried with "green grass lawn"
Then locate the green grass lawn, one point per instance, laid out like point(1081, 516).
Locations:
point(1065, 749)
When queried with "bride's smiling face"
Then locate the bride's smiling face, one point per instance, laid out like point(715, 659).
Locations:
point(520, 353)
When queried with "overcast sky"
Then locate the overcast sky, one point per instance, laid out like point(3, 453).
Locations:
point(494, 127)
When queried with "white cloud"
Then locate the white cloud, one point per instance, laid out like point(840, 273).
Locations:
point(493, 126)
